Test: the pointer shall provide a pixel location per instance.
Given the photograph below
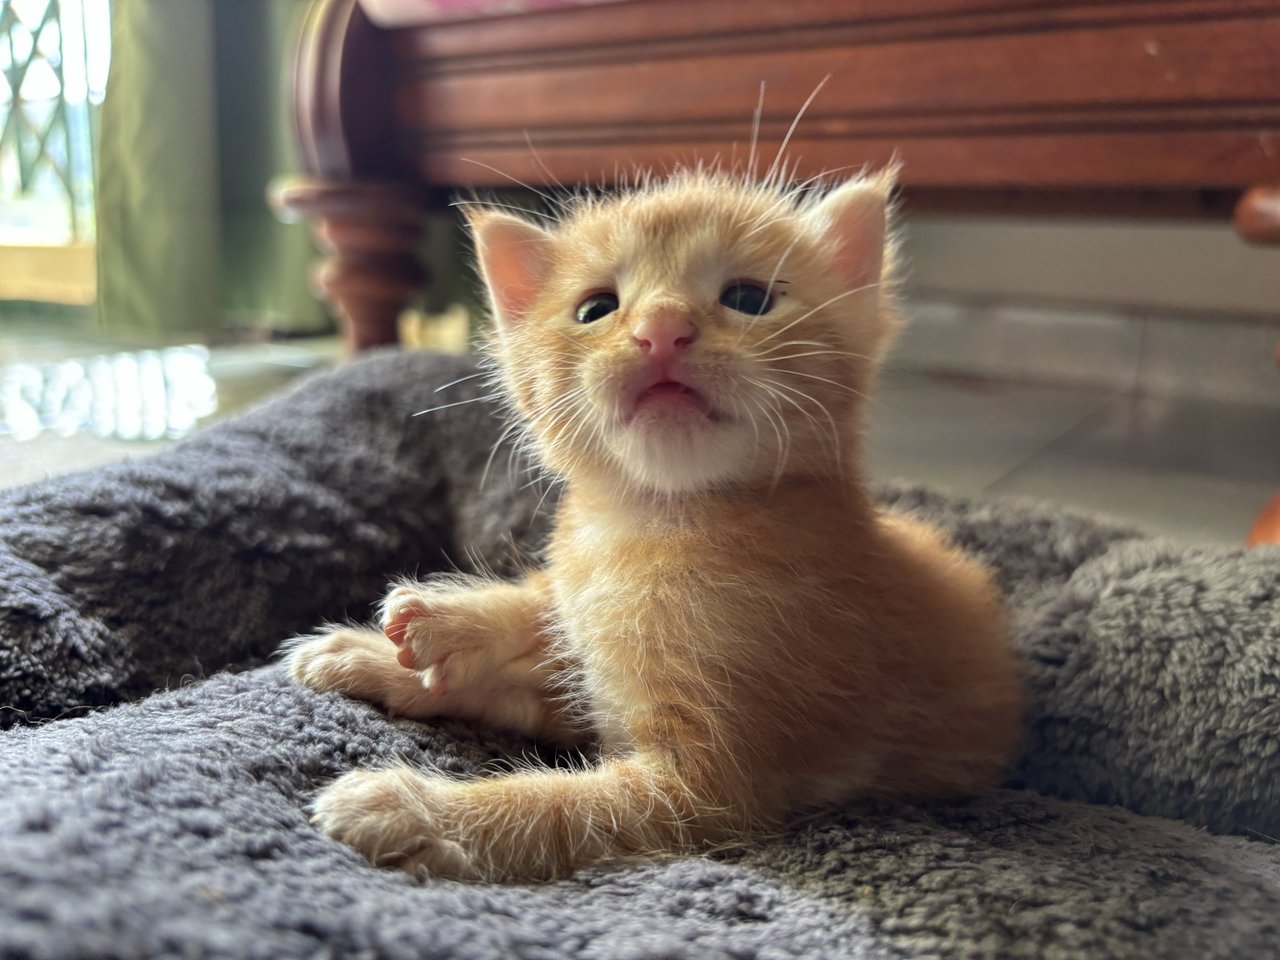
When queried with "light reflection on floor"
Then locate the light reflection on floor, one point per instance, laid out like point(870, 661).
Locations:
point(145, 395)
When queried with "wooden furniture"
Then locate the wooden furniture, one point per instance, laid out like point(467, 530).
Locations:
point(1105, 107)
point(1160, 107)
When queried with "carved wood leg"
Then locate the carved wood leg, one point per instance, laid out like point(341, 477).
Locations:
point(1257, 220)
point(371, 234)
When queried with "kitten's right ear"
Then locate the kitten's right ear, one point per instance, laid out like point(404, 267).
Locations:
point(853, 220)
point(515, 258)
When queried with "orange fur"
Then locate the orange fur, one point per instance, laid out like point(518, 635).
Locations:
point(748, 634)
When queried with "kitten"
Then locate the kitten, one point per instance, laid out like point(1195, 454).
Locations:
point(747, 634)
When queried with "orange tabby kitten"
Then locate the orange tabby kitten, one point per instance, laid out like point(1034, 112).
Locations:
point(748, 635)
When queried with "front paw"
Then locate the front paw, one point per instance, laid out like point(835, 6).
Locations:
point(396, 818)
point(359, 663)
point(440, 634)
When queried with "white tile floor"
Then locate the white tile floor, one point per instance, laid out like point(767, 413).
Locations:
point(1192, 468)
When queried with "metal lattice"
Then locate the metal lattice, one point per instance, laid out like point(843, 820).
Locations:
point(53, 59)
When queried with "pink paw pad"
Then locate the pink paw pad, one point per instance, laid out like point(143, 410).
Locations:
point(397, 630)
point(397, 626)
point(433, 678)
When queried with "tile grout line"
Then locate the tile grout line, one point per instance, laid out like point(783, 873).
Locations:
point(1096, 414)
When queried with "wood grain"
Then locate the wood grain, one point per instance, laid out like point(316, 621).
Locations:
point(969, 93)
point(1132, 66)
point(588, 31)
point(1190, 161)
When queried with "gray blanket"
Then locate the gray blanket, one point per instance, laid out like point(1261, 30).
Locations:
point(176, 825)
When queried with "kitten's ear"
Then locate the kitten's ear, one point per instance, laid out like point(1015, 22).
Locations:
point(853, 219)
point(514, 257)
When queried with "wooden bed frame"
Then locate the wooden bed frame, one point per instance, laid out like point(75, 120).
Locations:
point(1162, 108)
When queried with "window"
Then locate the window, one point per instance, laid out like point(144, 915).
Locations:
point(54, 56)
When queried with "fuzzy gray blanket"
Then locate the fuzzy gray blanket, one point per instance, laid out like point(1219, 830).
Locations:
point(1138, 823)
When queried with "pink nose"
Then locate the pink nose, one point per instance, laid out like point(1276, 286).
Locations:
point(664, 333)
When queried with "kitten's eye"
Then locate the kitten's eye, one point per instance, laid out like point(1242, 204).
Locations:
point(747, 298)
point(596, 306)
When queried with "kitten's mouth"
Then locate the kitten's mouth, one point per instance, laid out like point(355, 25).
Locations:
point(670, 396)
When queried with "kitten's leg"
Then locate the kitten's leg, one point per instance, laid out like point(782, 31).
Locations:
point(482, 651)
point(532, 825)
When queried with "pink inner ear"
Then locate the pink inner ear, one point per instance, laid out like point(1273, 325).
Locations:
point(855, 216)
point(514, 259)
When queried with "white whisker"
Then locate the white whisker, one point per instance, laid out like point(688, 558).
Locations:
point(777, 160)
point(513, 427)
point(498, 205)
point(454, 383)
point(458, 403)
point(813, 376)
point(537, 158)
point(821, 306)
point(549, 198)
point(755, 133)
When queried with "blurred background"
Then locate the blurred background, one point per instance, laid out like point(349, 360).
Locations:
point(1123, 366)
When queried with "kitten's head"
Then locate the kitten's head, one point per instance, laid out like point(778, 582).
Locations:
point(701, 332)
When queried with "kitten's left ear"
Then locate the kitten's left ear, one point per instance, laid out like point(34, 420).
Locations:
point(515, 258)
point(853, 219)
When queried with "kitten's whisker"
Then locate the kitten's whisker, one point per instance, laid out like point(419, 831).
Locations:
point(755, 427)
point(828, 173)
point(774, 214)
point(550, 198)
point(771, 357)
point(511, 428)
point(458, 403)
point(582, 422)
point(763, 222)
point(498, 205)
point(783, 434)
point(537, 158)
point(821, 306)
point(771, 384)
point(835, 430)
point(454, 383)
point(813, 376)
point(773, 279)
point(811, 343)
point(777, 160)
point(755, 134)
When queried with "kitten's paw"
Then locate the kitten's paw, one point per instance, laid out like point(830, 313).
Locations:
point(395, 818)
point(441, 635)
point(358, 663)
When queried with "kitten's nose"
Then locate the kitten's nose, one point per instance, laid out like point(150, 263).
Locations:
point(664, 333)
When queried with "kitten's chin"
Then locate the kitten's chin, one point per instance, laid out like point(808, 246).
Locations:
point(675, 446)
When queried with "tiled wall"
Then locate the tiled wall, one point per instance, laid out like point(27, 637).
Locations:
point(1160, 308)
point(1147, 352)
